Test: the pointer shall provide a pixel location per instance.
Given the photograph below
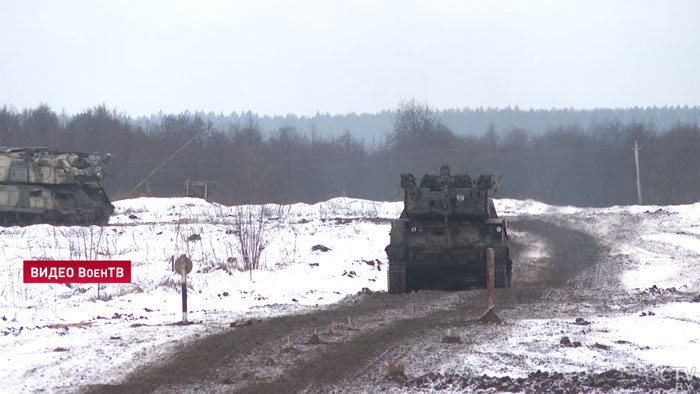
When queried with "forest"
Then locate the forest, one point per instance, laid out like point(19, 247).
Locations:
point(582, 163)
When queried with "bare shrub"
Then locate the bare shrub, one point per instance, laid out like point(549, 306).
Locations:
point(86, 243)
point(291, 251)
point(254, 226)
point(173, 282)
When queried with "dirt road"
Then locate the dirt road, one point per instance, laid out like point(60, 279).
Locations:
point(283, 355)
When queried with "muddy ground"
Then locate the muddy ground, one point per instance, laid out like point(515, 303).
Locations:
point(282, 355)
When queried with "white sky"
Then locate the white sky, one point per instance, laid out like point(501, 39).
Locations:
point(279, 57)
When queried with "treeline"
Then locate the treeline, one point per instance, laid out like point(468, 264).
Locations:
point(587, 166)
point(463, 121)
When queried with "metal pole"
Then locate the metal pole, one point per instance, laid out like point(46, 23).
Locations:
point(636, 162)
point(490, 278)
point(184, 292)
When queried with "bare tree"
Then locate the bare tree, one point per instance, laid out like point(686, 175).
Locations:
point(254, 227)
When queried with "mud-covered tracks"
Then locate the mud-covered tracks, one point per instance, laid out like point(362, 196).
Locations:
point(257, 359)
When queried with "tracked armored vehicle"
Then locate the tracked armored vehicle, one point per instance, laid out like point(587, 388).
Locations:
point(441, 237)
point(38, 185)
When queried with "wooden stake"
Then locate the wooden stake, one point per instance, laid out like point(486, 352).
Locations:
point(289, 343)
point(349, 325)
point(490, 278)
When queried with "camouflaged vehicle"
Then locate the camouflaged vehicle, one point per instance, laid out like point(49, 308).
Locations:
point(441, 237)
point(38, 185)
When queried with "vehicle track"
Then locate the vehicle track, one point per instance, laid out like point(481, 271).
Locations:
point(255, 359)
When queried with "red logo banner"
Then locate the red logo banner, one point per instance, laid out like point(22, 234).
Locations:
point(70, 271)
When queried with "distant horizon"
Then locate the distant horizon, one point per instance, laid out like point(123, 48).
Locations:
point(62, 110)
point(375, 126)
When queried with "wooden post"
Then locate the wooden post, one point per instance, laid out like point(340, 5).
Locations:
point(490, 278)
point(183, 265)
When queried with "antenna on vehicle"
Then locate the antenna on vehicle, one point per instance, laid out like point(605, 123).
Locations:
point(145, 179)
point(497, 184)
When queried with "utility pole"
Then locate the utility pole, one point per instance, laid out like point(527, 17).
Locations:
point(636, 162)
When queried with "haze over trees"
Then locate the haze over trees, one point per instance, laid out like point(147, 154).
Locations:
point(559, 156)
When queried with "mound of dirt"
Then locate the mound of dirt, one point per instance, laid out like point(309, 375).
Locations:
point(551, 382)
point(490, 317)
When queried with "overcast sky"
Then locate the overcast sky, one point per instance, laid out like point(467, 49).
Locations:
point(279, 57)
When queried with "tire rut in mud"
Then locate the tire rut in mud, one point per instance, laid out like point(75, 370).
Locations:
point(571, 251)
point(347, 358)
point(205, 364)
point(212, 358)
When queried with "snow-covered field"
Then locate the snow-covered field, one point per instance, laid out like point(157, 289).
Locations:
point(57, 337)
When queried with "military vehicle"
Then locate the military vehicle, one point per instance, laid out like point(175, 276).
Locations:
point(38, 185)
point(441, 237)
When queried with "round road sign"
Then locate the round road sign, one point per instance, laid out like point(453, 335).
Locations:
point(183, 261)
